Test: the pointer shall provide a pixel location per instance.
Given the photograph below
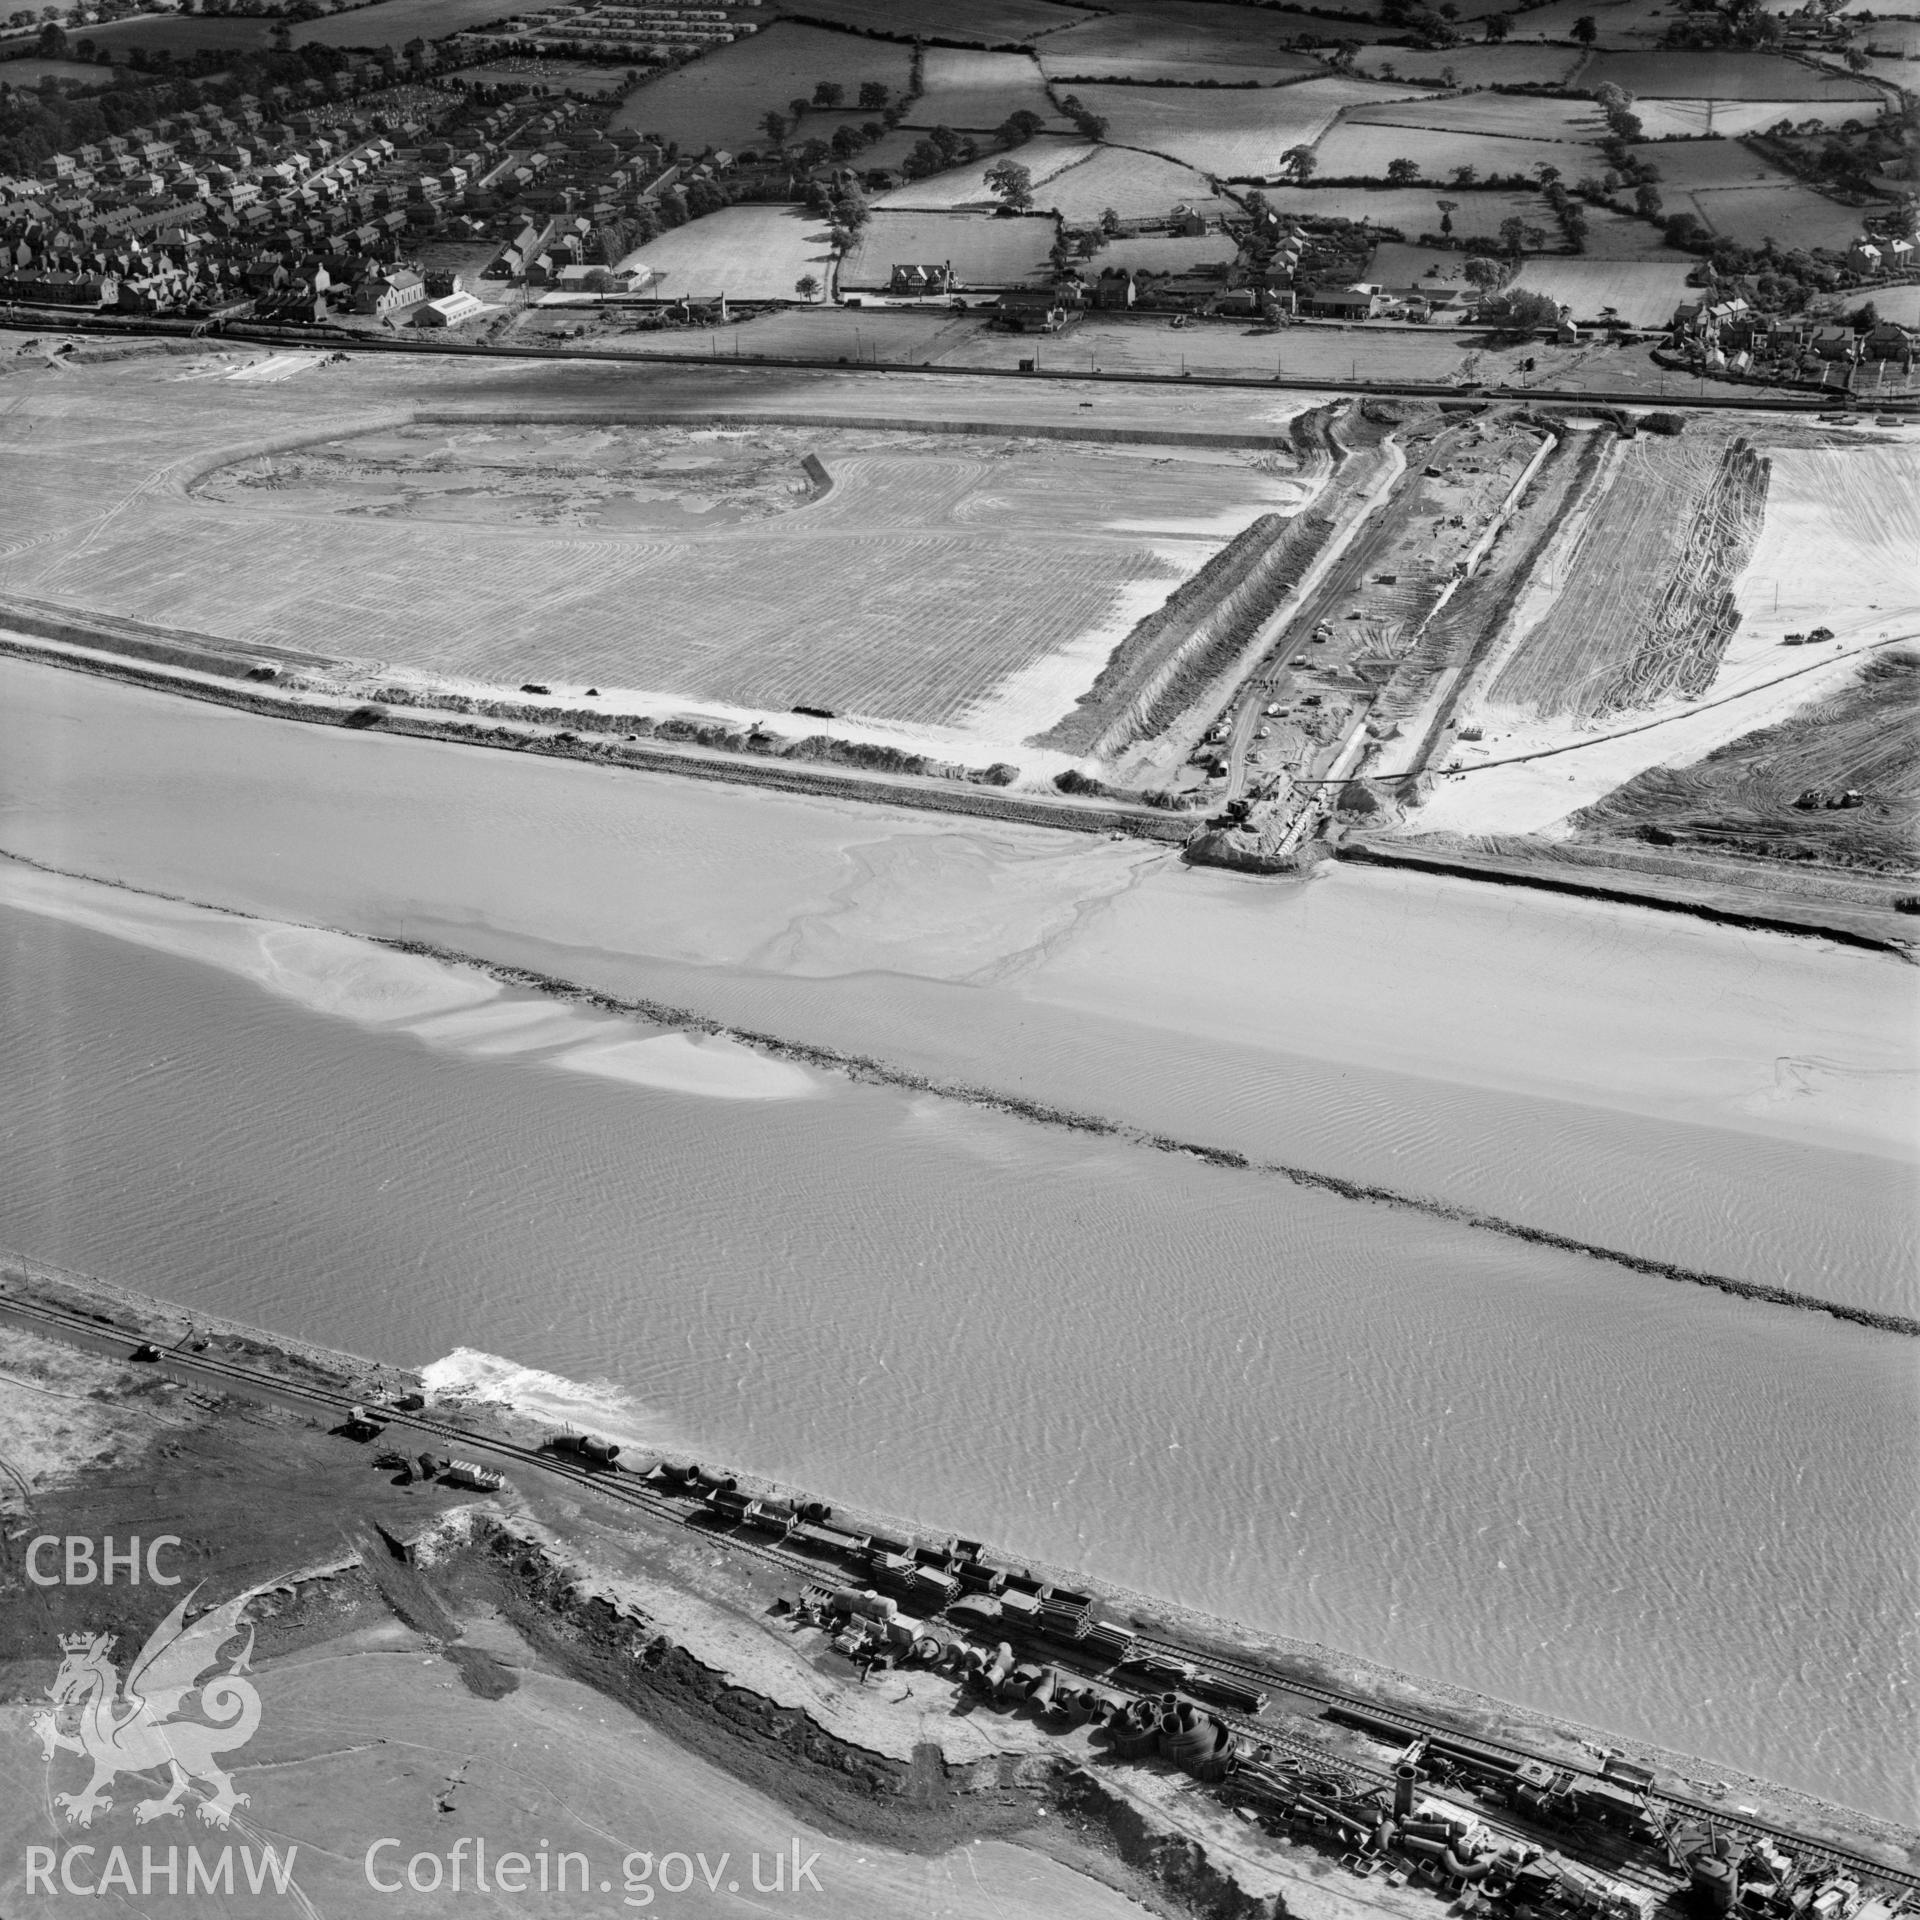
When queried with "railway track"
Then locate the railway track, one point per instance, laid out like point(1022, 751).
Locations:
point(624, 1489)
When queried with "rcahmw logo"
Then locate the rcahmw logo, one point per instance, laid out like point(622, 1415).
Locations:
point(135, 1727)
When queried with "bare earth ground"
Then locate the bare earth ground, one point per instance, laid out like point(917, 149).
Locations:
point(959, 583)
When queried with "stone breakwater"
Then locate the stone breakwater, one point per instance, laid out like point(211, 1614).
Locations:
point(864, 1067)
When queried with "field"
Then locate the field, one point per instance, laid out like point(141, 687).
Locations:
point(570, 75)
point(1413, 210)
point(974, 92)
point(1794, 215)
point(1728, 119)
point(1511, 116)
point(941, 580)
point(178, 33)
point(721, 98)
point(1044, 156)
point(1137, 186)
point(1165, 253)
point(1232, 133)
point(1622, 23)
point(984, 22)
point(1642, 293)
point(1686, 164)
point(1612, 235)
point(1688, 512)
point(986, 251)
point(392, 23)
point(1474, 66)
point(31, 71)
point(1352, 152)
point(1721, 76)
point(1181, 42)
point(749, 252)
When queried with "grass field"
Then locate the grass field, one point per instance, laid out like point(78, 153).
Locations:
point(574, 75)
point(1044, 157)
point(985, 22)
point(1351, 151)
point(1622, 23)
point(1236, 134)
point(1165, 252)
point(1181, 41)
point(974, 92)
point(1612, 235)
point(720, 99)
point(392, 23)
point(1794, 215)
point(1721, 76)
point(1137, 186)
point(1728, 119)
point(1474, 66)
point(32, 70)
point(986, 251)
point(1414, 210)
point(1509, 116)
point(1686, 164)
point(179, 33)
point(1642, 293)
point(748, 252)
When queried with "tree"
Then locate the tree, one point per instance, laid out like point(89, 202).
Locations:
point(1448, 208)
point(873, 95)
point(1110, 219)
point(1299, 162)
point(1018, 127)
point(1519, 308)
point(1584, 30)
point(1484, 273)
point(1012, 184)
point(797, 107)
point(1856, 60)
point(1465, 176)
point(807, 286)
point(828, 93)
point(1513, 234)
point(839, 239)
point(774, 126)
point(1547, 173)
point(1402, 173)
point(1646, 200)
point(1496, 28)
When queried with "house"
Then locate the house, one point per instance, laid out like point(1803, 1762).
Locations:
point(912, 280)
point(1036, 309)
point(1114, 290)
point(1342, 303)
point(391, 292)
point(1864, 257)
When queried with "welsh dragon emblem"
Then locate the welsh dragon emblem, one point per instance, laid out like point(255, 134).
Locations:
point(132, 1728)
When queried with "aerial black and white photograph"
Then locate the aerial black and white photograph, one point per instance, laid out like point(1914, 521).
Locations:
point(958, 960)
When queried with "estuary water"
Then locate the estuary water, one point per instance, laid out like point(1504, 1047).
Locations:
point(1635, 1503)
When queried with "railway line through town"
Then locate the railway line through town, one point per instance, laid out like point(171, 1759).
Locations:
point(110, 1337)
